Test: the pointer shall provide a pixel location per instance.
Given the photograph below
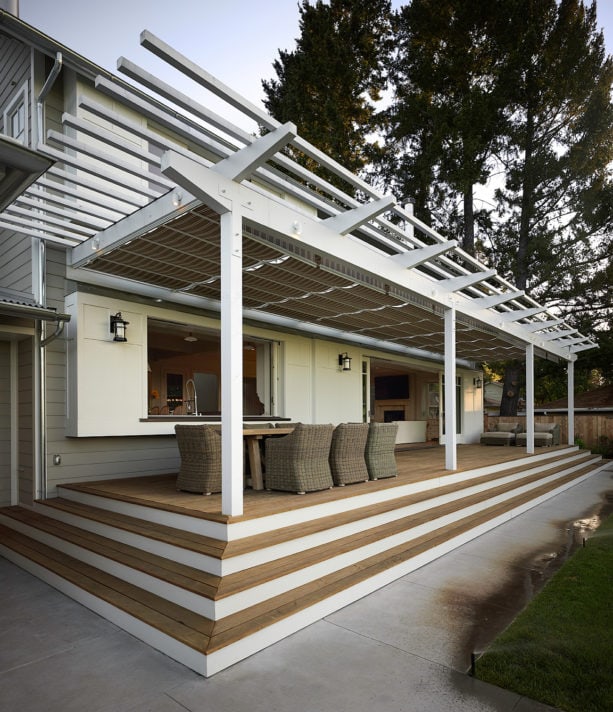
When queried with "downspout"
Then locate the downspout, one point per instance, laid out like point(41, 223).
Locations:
point(41, 385)
point(59, 328)
point(44, 92)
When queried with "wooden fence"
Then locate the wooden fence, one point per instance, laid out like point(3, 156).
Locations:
point(593, 429)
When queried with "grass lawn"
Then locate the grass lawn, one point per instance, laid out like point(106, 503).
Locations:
point(559, 650)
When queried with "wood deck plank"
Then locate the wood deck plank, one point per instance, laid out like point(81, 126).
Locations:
point(243, 580)
point(159, 491)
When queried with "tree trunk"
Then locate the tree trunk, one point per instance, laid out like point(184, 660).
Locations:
point(468, 241)
point(527, 199)
point(510, 392)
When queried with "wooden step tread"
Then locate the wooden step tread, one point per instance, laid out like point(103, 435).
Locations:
point(170, 535)
point(178, 622)
point(243, 580)
point(186, 577)
point(207, 636)
point(259, 541)
point(248, 621)
point(216, 588)
point(163, 495)
point(102, 489)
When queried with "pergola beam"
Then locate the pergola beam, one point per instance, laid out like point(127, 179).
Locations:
point(521, 314)
point(344, 223)
point(456, 284)
point(420, 255)
point(495, 300)
point(543, 325)
point(243, 163)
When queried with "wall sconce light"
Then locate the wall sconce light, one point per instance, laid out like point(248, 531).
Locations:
point(118, 327)
point(344, 362)
point(477, 382)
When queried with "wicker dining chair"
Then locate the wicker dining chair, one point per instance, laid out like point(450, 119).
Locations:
point(298, 462)
point(379, 453)
point(200, 450)
point(347, 460)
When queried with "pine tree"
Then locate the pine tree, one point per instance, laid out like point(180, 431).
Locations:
point(447, 116)
point(556, 205)
point(329, 84)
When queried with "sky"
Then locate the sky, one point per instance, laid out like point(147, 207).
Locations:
point(235, 40)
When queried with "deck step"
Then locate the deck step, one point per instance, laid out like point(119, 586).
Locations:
point(378, 528)
point(209, 622)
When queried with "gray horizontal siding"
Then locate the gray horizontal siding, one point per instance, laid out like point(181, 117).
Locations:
point(25, 445)
point(5, 425)
point(15, 262)
point(15, 63)
point(88, 459)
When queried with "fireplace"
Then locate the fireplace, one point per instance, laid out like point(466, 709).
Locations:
point(390, 415)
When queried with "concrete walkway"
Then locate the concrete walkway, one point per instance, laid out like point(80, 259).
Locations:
point(405, 648)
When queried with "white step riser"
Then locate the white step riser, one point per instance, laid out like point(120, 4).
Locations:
point(277, 551)
point(163, 589)
point(253, 596)
point(215, 662)
point(232, 654)
point(233, 604)
point(151, 546)
point(195, 525)
point(258, 594)
point(142, 631)
point(240, 530)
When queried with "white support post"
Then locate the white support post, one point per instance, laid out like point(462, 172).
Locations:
point(451, 455)
point(231, 363)
point(571, 401)
point(530, 398)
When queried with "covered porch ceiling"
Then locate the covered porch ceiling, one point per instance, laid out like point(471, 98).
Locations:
point(299, 287)
point(338, 259)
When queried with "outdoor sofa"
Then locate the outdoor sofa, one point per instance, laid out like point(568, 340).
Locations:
point(545, 434)
point(502, 434)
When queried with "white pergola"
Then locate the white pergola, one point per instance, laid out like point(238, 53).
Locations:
point(213, 216)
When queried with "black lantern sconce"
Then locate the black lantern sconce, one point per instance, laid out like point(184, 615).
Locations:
point(118, 327)
point(344, 362)
point(477, 383)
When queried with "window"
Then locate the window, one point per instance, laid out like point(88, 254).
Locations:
point(16, 116)
point(184, 371)
point(459, 395)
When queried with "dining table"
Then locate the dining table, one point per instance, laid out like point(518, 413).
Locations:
point(253, 437)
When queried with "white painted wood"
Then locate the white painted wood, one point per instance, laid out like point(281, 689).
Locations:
point(168, 519)
point(455, 284)
point(159, 587)
point(181, 555)
point(243, 163)
point(497, 299)
point(530, 398)
point(571, 399)
point(451, 438)
point(419, 255)
point(231, 654)
point(232, 451)
point(411, 431)
point(344, 223)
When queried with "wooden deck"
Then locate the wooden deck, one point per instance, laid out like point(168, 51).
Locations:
point(414, 465)
point(209, 590)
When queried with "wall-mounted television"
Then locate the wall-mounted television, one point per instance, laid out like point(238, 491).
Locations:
point(391, 387)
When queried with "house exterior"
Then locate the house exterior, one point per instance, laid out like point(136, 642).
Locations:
point(323, 275)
